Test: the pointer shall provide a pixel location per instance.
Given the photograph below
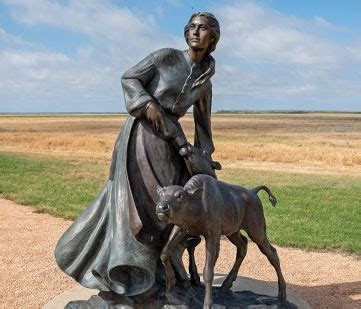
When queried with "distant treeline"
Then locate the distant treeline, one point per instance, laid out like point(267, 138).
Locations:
point(282, 112)
point(222, 111)
point(66, 113)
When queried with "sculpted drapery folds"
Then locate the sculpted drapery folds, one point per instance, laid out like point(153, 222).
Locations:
point(115, 244)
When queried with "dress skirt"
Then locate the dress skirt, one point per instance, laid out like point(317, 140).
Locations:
point(115, 243)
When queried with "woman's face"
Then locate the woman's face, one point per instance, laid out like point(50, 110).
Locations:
point(199, 34)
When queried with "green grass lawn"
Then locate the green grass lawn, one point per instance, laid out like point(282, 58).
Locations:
point(313, 211)
point(59, 187)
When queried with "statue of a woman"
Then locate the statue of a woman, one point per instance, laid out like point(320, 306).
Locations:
point(114, 245)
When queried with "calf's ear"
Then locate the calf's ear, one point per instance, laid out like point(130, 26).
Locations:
point(193, 193)
point(159, 190)
point(216, 165)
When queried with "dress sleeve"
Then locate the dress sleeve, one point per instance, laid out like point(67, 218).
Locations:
point(202, 121)
point(134, 82)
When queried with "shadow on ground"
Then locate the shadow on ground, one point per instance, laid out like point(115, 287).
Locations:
point(340, 295)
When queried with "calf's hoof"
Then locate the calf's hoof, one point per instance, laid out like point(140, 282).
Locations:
point(170, 284)
point(282, 296)
point(173, 298)
point(185, 284)
point(195, 280)
point(207, 306)
point(226, 286)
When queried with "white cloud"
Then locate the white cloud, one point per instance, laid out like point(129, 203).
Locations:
point(253, 32)
point(26, 59)
point(10, 39)
point(116, 38)
point(95, 18)
point(355, 50)
point(323, 24)
point(263, 56)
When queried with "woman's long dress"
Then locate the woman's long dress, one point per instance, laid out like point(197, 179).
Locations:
point(115, 244)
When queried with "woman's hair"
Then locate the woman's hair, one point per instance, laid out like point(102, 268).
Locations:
point(213, 25)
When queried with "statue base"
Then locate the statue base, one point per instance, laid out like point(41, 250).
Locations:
point(253, 294)
point(186, 299)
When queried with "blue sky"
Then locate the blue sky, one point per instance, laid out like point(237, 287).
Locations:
point(68, 56)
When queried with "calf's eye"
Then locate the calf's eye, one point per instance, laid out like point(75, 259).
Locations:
point(180, 196)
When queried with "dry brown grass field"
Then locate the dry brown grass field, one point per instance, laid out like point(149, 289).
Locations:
point(320, 143)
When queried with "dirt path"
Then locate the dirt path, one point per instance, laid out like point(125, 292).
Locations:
point(30, 277)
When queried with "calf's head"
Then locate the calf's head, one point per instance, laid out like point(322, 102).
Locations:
point(173, 203)
point(199, 161)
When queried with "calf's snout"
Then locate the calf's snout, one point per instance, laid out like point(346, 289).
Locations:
point(162, 208)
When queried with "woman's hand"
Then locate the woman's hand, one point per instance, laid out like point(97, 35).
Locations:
point(155, 114)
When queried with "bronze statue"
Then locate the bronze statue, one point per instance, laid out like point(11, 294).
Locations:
point(115, 245)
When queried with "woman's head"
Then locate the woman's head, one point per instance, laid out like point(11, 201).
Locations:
point(213, 25)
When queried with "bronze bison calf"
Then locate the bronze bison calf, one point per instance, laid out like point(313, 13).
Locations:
point(208, 207)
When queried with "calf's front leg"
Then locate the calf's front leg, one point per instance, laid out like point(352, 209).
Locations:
point(176, 236)
point(212, 251)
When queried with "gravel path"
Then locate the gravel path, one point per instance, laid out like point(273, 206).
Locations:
point(30, 277)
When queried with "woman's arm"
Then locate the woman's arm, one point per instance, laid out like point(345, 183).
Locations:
point(202, 121)
point(198, 157)
point(134, 81)
point(140, 103)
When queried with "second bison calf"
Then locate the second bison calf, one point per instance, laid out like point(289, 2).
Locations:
point(208, 207)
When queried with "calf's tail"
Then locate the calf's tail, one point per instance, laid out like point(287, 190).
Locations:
point(271, 197)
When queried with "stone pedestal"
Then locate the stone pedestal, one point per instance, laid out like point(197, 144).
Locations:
point(248, 293)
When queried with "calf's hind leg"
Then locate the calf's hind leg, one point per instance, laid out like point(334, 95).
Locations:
point(272, 256)
point(256, 230)
point(241, 243)
point(192, 243)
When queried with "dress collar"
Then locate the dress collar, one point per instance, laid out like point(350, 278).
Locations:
point(207, 67)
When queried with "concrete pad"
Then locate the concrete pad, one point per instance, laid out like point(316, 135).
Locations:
point(241, 284)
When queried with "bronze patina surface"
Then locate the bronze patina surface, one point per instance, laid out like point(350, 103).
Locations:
point(115, 245)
